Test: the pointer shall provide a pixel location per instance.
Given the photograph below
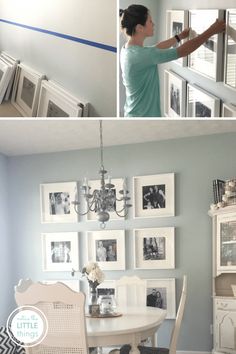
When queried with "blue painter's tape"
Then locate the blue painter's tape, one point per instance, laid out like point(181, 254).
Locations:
point(64, 36)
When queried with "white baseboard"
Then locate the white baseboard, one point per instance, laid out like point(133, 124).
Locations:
point(192, 352)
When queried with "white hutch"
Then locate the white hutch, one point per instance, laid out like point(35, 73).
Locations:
point(224, 275)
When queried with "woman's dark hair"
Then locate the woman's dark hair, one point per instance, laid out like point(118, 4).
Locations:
point(131, 17)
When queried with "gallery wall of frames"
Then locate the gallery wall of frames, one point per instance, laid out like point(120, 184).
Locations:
point(215, 60)
point(152, 248)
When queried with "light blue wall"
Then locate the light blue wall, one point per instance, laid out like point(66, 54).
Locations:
point(159, 16)
point(195, 161)
point(6, 246)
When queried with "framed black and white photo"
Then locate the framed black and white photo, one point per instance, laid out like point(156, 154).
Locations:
point(107, 248)
point(201, 104)
point(56, 202)
point(154, 195)
point(161, 294)
point(207, 59)
point(228, 110)
point(26, 89)
point(60, 251)
point(230, 49)
point(176, 22)
point(72, 284)
point(56, 102)
point(96, 184)
point(154, 248)
point(174, 94)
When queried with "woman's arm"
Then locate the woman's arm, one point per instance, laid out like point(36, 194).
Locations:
point(191, 45)
point(172, 41)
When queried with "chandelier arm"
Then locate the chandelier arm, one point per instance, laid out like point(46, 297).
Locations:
point(121, 215)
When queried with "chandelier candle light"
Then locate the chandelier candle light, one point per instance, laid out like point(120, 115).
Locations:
point(103, 201)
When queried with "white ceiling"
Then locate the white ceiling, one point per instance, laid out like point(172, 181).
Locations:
point(23, 137)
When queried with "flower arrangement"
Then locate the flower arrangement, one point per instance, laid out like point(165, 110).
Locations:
point(94, 274)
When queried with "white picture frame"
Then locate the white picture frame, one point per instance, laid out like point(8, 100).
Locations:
point(176, 22)
point(6, 72)
point(56, 202)
point(175, 88)
point(167, 299)
point(228, 110)
point(13, 63)
point(56, 102)
point(161, 186)
point(230, 49)
point(207, 60)
point(107, 248)
point(60, 251)
point(201, 104)
point(154, 248)
point(25, 94)
point(96, 184)
point(72, 284)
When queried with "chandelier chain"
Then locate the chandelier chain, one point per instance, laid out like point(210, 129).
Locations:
point(101, 144)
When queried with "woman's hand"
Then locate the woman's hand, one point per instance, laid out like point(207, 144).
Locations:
point(184, 34)
point(218, 26)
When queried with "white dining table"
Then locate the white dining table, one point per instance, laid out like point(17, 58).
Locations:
point(135, 325)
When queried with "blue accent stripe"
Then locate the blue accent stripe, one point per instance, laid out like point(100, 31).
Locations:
point(64, 36)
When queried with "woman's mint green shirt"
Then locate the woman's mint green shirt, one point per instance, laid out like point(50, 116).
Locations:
point(141, 79)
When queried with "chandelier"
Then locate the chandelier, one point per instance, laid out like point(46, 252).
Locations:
point(103, 201)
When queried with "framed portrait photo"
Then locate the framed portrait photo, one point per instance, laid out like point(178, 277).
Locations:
point(56, 202)
point(161, 294)
point(176, 22)
point(154, 195)
point(60, 251)
point(56, 102)
point(201, 104)
point(26, 89)
point(107, 248)
point(207, 60)
point(175, 88)
point(228, 110)
point(96, 184)
point(154, 248)
point(230, 49)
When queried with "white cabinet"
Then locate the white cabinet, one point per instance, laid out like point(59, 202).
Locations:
point(224, 274)
point(225, 325)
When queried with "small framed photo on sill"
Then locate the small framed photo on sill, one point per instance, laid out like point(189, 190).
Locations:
point(56, 202)
point(230, 49)
point(176, 22)
point(154, 195)
point(25, 94)
point(154, 248)
point(201, 104)
point(175, 88)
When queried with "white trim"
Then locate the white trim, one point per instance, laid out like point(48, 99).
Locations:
point(192, 352)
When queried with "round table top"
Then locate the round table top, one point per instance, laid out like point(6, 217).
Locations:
point(132, 320)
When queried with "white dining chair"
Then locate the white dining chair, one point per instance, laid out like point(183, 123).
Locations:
point(131, 291)
point(175, 332)
point(64, 311)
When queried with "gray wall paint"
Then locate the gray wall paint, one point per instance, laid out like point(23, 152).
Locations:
point(159, 17)
point(6, 246)
point(196, 162)
point(85, 71)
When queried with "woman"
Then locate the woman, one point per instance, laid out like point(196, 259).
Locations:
point(139, 63)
